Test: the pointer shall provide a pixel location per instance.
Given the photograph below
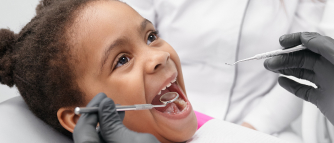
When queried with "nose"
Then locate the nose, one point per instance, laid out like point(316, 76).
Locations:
point(156, 60)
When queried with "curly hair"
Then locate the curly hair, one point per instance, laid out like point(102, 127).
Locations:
point(38, 60)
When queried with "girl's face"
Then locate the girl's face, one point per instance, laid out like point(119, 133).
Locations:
point(120, 54)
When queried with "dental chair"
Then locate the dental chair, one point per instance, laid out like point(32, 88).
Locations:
point(19, 125)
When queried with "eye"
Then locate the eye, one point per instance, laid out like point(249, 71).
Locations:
point(152, 37)
point(122, 61)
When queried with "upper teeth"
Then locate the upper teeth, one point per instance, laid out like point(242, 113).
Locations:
point(168, 85)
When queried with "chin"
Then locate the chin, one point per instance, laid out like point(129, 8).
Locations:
point(178, 135)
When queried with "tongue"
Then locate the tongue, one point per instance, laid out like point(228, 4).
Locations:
point(171, 108)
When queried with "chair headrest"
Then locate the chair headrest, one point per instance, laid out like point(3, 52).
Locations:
point(19, 124)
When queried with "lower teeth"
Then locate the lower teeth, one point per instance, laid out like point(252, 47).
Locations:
point(177, 106)
point(180, 103)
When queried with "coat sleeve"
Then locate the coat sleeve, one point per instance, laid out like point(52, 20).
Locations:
point(279, 108)
point(144, 7)
point(275, 112)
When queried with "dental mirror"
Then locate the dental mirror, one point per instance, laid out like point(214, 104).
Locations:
point(169, 97)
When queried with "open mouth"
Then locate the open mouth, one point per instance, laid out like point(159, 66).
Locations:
point(176, 107)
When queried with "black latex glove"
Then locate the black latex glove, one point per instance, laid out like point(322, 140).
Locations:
point(314, 64)
point(112, 129)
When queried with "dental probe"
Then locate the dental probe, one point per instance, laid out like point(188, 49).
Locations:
point(271, 54)
point(174, 95)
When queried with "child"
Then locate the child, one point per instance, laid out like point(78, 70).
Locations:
point(74, 49)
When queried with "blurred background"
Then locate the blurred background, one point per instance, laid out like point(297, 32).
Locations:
point(14, 14)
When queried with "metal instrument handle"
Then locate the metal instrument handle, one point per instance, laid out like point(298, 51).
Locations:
point(143, 106)
point(118, 108)
point(279, 52)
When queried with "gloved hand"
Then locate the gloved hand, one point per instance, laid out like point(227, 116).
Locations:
point(112, 129)
point(315, 64)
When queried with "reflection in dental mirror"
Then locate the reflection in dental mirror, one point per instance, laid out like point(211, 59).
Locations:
point(169, 97)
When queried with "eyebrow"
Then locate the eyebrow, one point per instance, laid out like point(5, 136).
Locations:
point(144, 24)
point(118, 42)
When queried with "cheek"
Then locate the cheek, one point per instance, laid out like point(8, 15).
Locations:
point(132, 92)
point(140, 121)
point(128, 89)
point(175, 57)
point(176, 60)
point(125, 89)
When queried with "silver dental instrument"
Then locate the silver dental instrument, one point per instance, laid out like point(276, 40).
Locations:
point(271, 54)
point(165, 99)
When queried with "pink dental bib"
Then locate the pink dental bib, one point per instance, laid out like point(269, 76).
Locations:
point(201, 119)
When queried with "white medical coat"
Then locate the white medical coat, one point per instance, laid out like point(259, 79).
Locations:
point(209, 33)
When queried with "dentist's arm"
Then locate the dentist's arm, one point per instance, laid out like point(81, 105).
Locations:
point(112, 129)
point(315, 64)
point(270, 115)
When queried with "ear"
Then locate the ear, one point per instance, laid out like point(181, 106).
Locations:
point(67, 118)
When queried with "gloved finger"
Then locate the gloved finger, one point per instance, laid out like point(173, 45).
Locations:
point(101, 139)
point(109, 118)
point(290, 40)
point(110, 121)
point(96, 100)
point(112, 128)
point(302, 91)
point(121, 114)
point(301, 59)
point(98, 130)
point(144, 138)
point(322, 45)
point(85, 129)
point(90, 120)
point(299, 73)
